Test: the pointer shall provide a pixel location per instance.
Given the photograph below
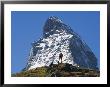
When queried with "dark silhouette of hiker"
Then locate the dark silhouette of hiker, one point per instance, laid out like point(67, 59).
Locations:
point(60, 57)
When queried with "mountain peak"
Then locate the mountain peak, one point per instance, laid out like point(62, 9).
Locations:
point(55, 25)
point(55, 19)
point(60, 38)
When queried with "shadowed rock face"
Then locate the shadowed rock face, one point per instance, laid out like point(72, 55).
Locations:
point(60, 38)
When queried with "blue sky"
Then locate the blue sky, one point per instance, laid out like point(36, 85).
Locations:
point(27, 26)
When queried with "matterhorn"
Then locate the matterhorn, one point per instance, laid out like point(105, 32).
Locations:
point(59, 38)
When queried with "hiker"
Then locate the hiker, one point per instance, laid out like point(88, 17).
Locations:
point(60, 57)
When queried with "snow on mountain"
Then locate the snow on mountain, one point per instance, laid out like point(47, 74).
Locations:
point(60, 38)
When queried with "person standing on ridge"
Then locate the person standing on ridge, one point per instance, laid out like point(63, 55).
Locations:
point(60, 57)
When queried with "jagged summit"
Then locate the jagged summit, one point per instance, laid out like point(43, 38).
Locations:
point(55, 25)
point(60, 38)
point(55, 19)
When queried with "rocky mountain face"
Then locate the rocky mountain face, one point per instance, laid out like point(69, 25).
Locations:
point(60, 38)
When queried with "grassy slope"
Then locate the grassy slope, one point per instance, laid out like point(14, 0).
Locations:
point(60, 70)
